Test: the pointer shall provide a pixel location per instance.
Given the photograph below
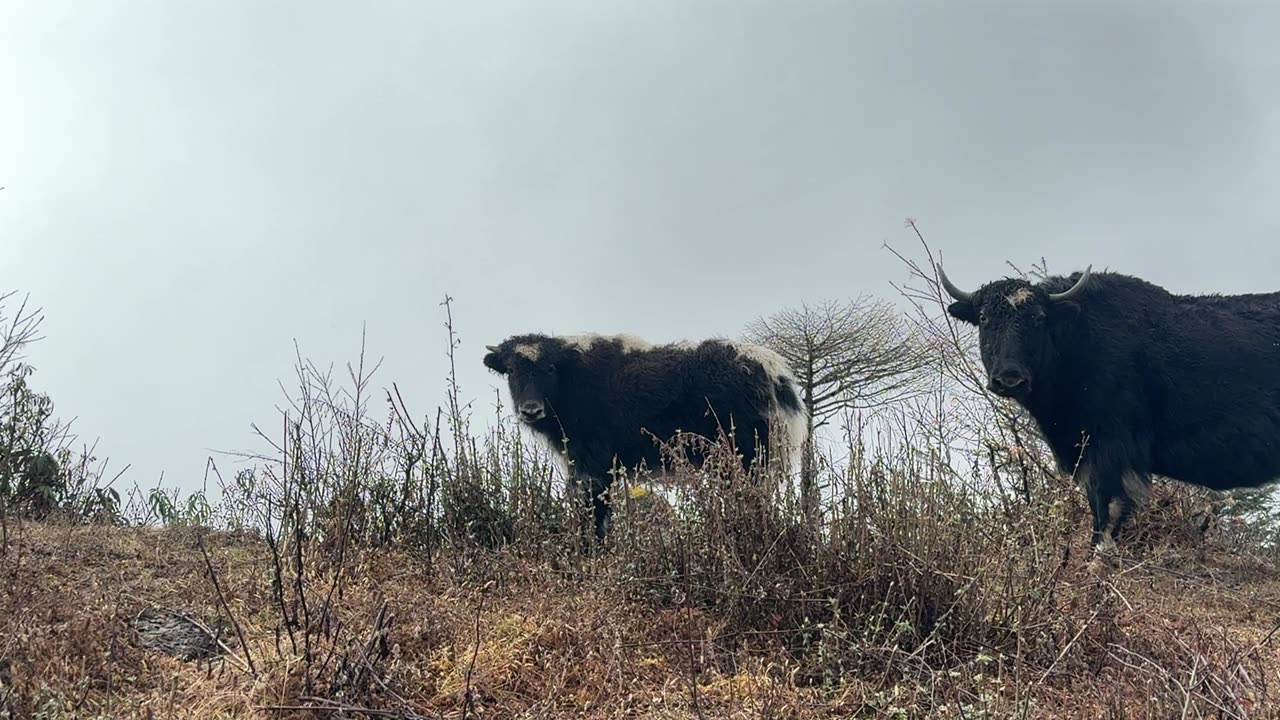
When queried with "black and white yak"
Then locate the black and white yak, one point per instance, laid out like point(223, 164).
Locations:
point(613, 396)
point(1127, 380)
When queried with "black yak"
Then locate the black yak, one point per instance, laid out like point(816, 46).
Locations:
point(1130, 380)
point(612, 396)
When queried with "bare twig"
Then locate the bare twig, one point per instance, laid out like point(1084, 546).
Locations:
point(688, 603)
point(469, 698)
point(324, 705)
point(222, 599)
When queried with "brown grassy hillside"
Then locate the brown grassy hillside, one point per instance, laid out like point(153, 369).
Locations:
point(497, 636)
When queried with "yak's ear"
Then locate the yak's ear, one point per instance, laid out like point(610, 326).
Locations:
point(963, 311)
point(496, 362)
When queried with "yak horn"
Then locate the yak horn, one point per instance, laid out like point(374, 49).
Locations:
point(1075, 289)
point(951, 289)
point(491, 348)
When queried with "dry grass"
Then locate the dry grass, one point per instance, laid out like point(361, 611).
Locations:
point(1145, 639)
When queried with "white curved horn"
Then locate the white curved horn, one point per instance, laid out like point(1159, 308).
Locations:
point(951, 289)
point(1075, 289)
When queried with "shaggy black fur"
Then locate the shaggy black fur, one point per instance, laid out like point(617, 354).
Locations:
point(1182, 386)
point(608, 398)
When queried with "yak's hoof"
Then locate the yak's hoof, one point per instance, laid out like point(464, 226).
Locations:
point(1104, 556)
point(1098, 566)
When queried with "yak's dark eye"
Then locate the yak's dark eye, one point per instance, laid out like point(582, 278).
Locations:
point(982, 317)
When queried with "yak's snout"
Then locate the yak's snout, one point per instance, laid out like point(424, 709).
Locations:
point(532, 410)
point(1010, 382)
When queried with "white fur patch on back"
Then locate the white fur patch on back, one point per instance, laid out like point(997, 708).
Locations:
point(631, 343)
point(585, 341)
point(1019, 296)
point(774, 364)
point(528, 350)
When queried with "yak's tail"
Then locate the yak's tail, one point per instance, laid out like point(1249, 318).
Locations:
point(789, 425)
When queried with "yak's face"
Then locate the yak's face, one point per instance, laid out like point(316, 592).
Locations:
point(1015, 320)
point(1012, 319)
point(533, 376)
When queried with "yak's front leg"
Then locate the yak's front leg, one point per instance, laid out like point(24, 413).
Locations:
point(1135, 490)
point(1114, 493)
point(601, 511)
point(594, 493)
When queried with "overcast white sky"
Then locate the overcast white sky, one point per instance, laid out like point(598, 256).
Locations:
point(190, 186)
